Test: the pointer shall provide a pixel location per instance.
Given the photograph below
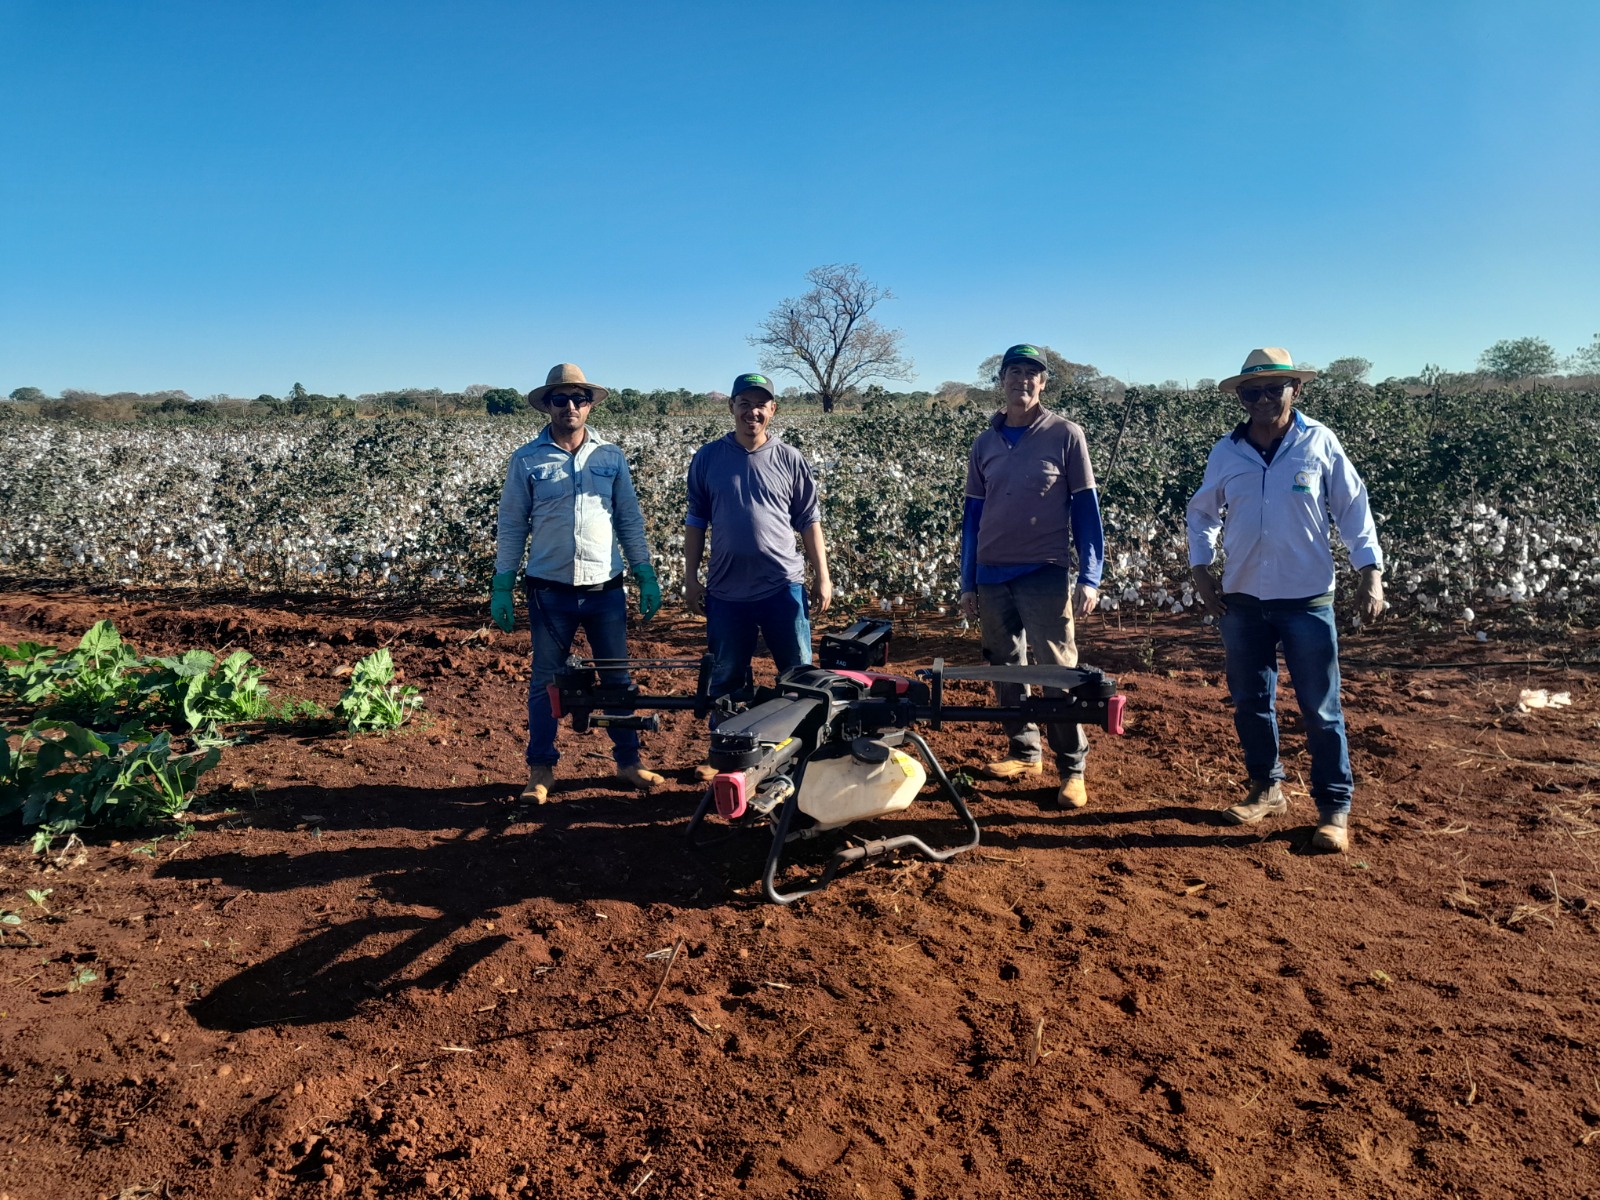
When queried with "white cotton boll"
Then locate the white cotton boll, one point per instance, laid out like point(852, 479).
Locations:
point(1468, 615)
point(1177, 607)
point(1482, 636)
point(1105, 604)
point(352, 570)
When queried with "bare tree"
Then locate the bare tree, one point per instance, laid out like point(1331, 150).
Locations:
point(828, 338)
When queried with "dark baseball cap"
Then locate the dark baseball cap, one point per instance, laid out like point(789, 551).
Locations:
point(753, 381)
point(1024, 353)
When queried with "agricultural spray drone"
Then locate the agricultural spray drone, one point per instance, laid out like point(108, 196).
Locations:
point(825, 746)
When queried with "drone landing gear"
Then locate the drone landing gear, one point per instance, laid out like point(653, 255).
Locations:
point(779, 807)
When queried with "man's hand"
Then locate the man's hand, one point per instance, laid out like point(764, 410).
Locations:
point(1209, 591)
point(821, 596)
point(1369, 595)
point(1088, 597)
point(969, 605)
point(501, 610)
point(694, 596)
point(649, 590)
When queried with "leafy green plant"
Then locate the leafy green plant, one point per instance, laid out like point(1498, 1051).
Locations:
point(31, 672)
point(96, 684)
point(192, 688)
point(292, 710)
point(373, 701)
point(62, 776)
point(44, 836)
point(81, 978)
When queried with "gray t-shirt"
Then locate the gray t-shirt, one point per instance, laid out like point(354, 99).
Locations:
point(1027, 489)
point(754, 502)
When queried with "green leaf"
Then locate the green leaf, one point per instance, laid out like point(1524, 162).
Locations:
point(102, 639)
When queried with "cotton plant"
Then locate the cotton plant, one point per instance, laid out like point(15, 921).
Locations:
point(406, 506)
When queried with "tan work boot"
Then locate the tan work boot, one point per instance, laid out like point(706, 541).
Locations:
point(1073, 793)
point(705, 772)
point(1011, 768)
point(1333, 832)
point(1264, 800)
point(540, 781)
point(639, 778)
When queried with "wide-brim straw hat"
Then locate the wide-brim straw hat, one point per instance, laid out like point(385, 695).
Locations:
point(1272, 362)
point(565, 375)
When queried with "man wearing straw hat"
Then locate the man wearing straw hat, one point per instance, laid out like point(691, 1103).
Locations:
point(1030, 502)
point(1273, 489)
point(570, 492)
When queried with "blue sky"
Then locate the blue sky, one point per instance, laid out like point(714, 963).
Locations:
point(230, 198)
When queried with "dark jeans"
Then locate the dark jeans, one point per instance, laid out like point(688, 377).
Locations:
point(733, 625)
point(556, 618)
point(1252, 636)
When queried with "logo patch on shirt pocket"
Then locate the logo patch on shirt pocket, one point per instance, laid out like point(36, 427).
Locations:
point(1305, 481)
point(549, 479)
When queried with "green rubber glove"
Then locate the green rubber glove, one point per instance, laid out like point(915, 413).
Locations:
point(500, 610)
point(649, 590)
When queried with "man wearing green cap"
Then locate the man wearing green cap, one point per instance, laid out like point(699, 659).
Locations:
point(570, 493)
point(1030, 503)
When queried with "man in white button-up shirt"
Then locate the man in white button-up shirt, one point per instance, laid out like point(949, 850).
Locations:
point(1273, 489)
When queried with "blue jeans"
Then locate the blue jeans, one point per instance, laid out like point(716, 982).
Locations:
point(556, 618)
point(732, 627)
point(1252, 635)
point(1029, 619)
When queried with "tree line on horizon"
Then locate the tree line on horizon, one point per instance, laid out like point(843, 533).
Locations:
point(828, 339)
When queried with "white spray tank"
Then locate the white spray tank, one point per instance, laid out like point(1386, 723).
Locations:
point(867, 780)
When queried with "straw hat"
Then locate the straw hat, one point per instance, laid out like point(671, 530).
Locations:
point(566, 375)
point(1272, 362)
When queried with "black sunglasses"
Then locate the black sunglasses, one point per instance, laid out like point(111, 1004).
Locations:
point(577, 400)
point(1264, 391)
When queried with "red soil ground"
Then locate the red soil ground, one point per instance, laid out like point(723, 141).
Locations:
point(365, 973)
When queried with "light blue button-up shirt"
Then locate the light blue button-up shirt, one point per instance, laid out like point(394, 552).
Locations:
point(578, 509)
point(1274, 519)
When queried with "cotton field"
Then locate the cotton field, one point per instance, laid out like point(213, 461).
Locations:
point(1478, 504)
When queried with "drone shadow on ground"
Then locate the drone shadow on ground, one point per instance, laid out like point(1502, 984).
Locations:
point(485, 857)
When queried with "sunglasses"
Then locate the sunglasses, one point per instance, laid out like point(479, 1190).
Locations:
point(578, 400)
point(1264, 391)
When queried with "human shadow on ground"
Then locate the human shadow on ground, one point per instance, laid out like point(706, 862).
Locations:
point(421, 900)
point(1091, 829)
point(489, 806)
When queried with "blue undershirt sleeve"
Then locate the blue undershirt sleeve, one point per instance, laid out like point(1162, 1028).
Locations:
point(971, 515)
point(1087, 535)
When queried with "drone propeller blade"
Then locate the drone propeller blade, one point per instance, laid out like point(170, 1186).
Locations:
point(1041, 675)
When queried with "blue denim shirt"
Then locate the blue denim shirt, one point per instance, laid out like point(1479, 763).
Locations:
point(1274, 519)
point(578, 509)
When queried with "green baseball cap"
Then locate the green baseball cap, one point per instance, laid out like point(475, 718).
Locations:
point(753, 382)
point(1024, 353)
